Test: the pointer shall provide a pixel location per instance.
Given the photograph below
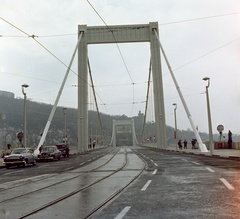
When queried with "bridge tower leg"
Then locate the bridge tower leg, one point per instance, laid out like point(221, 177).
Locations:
point(158, 89)
point(82, 91)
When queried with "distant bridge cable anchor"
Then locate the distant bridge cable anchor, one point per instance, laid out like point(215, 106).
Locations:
point(202, 146)
point(45, 131)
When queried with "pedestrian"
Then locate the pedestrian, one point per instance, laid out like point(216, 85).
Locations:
point(193, 143)
point(185, 144)
point(229, 139)
point(8, 149)
point(40, 149)
point(67, 150)
point(180, 144)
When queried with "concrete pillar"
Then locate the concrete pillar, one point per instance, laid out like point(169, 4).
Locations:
point(82, 91)
point(158, 89)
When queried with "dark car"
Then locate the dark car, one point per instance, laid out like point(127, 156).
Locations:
point(64, 148)
point(49, 153)
point(20, 157)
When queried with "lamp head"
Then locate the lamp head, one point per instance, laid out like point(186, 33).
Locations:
point(174, 104)
point(206, 78)
point(25, 85)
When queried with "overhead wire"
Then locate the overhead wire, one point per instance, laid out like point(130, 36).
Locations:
point(200, 18)
point(204, 55)
point(34, 38)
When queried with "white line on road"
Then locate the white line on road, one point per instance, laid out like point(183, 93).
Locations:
point(155, 164)
point(227, 184)
point(122, 213)
point(152, 160)
point(43, 166)
point(146, 185)
point(210, 170)
point(155, 171)
point(184, 159)
point(18, 171)
point(196, 163)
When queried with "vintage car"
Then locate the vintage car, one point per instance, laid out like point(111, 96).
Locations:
point(64, 148)
point(49, 153)
point(20, 157)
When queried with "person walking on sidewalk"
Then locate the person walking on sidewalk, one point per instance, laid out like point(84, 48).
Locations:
point(229, 139)
point(180, 144)
point(185, 144)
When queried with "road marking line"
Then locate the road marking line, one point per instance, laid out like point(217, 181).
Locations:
point(155, 171)
point(196, 163)
point(227, 184)
point(155, 164)
point(122, 213)
point(152, 160)
point(43, 166)
point(146, 185)
point(210, 170)
point(17, 182)
point(161, 154)
point(184, 160)
point(69, 168)
point(13, 172)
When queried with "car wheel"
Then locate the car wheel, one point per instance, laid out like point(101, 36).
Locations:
point(34, 162)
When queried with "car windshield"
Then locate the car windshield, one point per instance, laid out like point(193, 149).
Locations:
point(48, 149)
point(61, 146)
point(19, 151)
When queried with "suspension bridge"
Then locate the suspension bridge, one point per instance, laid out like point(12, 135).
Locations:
point(90, 35)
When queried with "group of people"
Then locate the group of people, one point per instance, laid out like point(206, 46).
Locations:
point(194, 141)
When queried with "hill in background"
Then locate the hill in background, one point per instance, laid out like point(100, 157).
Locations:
point(12, 110)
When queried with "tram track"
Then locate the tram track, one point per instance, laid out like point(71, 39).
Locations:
point(54, 184)
point(75, 191)
point(49, 176)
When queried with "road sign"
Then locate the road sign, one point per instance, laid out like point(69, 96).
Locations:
point(220, 128)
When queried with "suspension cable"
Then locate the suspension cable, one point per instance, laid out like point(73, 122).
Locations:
point(114, 37)
point(147, 97)
point(94, 95)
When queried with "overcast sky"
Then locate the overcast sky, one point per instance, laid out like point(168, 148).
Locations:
point(200, 37)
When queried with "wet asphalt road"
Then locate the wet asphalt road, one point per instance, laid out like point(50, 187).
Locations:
point(173, 185)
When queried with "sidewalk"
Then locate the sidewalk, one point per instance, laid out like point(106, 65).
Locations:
point(223, 153)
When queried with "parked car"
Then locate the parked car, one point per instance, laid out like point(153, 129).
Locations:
point(64, 148)
point(49, 153)
point(20, 157)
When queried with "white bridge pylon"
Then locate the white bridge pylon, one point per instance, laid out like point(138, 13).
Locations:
point(119, 34)
point(123, 127)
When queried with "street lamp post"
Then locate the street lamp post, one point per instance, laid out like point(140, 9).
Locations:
point(175, 121)
point(209, 116)
point(65, 126)
point(25, 119)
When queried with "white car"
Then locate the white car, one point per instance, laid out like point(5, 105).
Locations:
point(20, 157)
